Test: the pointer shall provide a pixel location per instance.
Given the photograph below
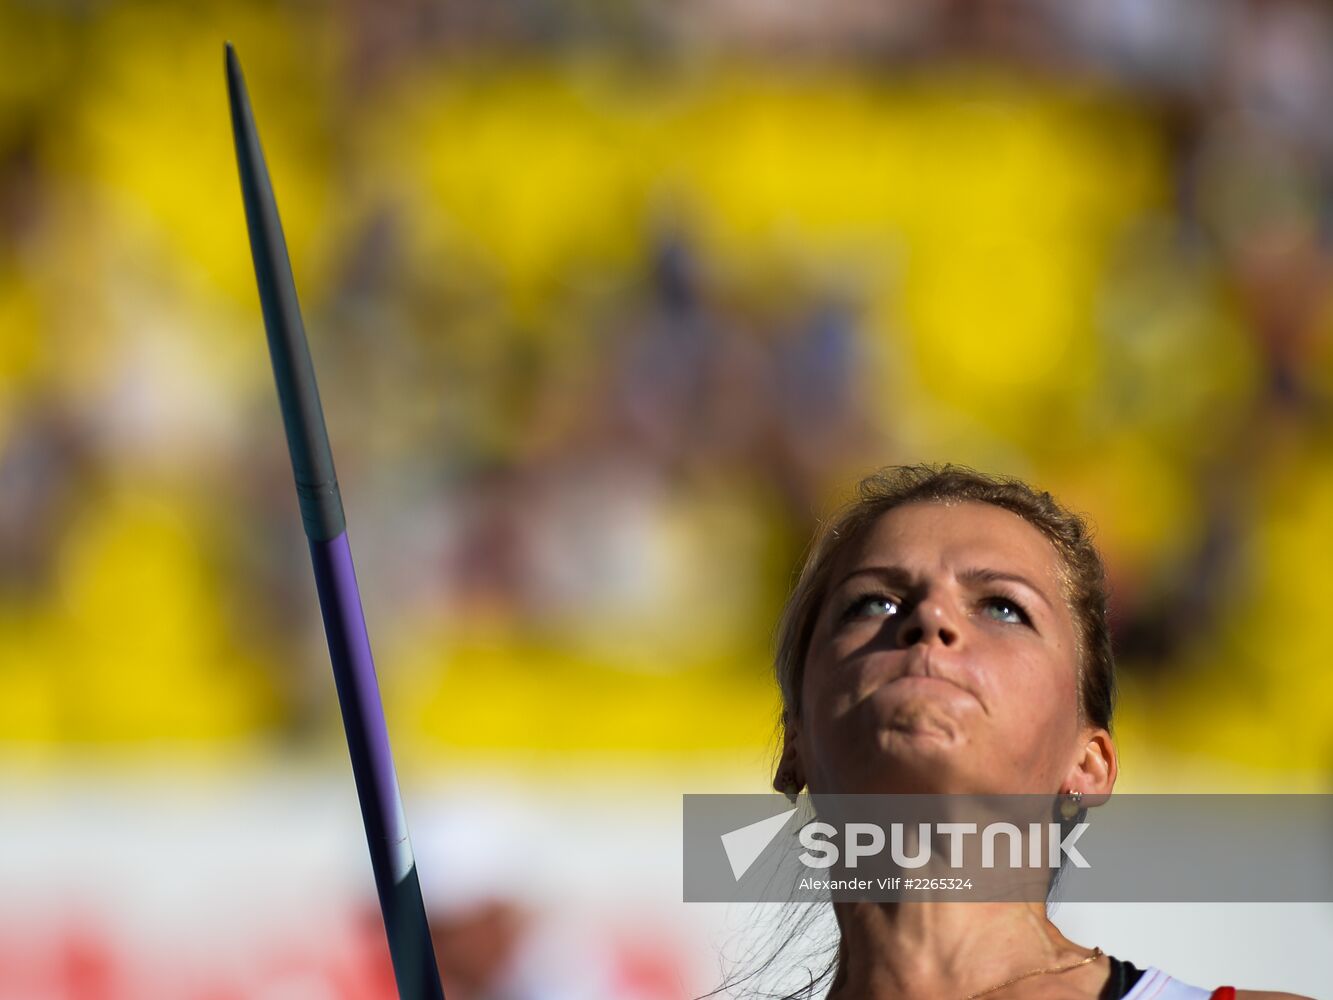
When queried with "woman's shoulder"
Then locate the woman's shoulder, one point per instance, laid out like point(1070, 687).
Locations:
point(1155, 984)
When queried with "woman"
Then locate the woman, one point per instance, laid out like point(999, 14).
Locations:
point(948, 634)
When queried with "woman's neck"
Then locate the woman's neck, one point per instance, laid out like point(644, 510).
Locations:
point(942, 950)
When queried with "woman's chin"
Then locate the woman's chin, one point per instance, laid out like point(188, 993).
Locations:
point(918, 761)
point(914, 729)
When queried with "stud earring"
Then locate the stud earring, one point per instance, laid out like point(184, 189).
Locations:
point(1070, 805)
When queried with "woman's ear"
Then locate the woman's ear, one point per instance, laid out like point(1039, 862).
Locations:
point(1094, 770)
point(790, 777)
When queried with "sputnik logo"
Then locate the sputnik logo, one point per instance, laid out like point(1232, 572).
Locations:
point(744, 846)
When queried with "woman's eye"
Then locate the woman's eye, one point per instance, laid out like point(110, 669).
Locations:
point(1004, 610)
point(872, 606)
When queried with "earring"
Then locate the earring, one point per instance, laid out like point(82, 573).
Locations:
point(1071, 804)
point(789, 786)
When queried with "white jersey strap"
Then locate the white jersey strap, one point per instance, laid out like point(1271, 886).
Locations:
point(1157, 985)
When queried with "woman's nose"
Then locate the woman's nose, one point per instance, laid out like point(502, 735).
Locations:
point(930, 621)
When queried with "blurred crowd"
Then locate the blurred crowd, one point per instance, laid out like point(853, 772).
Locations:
point(608, 303)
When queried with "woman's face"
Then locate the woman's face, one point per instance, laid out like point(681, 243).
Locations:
point(944, 660)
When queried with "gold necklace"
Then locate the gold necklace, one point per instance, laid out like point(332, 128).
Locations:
point(1096, 954)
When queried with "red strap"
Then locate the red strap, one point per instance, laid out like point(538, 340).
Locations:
point(1224, 993)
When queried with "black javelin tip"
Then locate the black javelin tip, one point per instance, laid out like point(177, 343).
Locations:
point(298, 394)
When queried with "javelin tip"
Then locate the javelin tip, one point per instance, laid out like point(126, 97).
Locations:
point(232, 62)
point(298, 394)
point(237, 97)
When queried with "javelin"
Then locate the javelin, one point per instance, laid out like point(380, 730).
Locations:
point(391, 859)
